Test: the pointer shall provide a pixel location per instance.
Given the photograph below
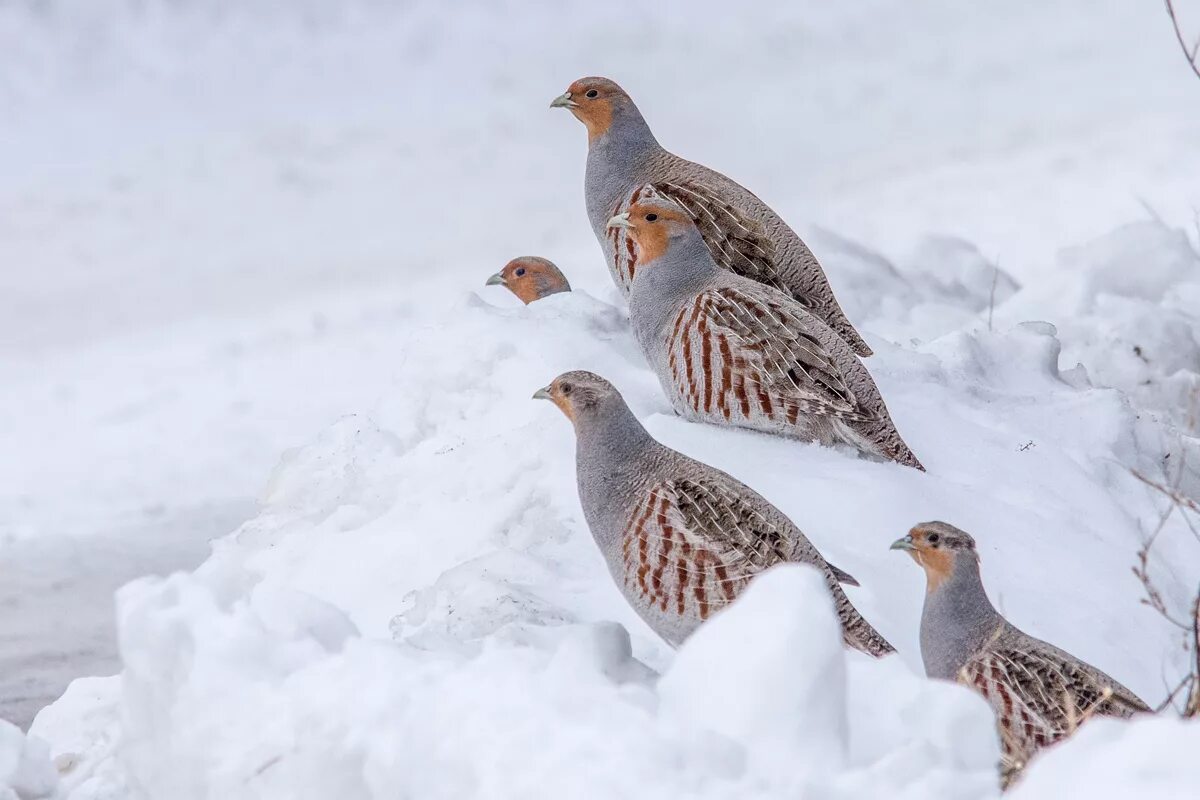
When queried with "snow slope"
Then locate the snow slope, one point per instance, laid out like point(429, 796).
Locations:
point(231, 262)
point(419, 580)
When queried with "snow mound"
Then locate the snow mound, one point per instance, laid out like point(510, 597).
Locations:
point(26, 772)
point(1148, 757)
point(419, 608)
point(943, 285)
point(1126, 305)
point(227, 700)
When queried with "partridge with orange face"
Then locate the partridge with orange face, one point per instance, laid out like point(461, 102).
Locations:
point(731, 351)
point(743, 234)
point(1040, 694)
point(682, 539)
point(530, 278)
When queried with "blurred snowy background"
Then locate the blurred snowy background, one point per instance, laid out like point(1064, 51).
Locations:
point(226, 225)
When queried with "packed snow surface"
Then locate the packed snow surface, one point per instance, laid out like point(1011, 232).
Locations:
point(270, 285)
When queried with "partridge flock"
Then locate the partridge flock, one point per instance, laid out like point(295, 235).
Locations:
point(735, 316)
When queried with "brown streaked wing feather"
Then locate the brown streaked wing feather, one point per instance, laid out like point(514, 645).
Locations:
point(1041, 696)
point(736, 242)
point(692, 546)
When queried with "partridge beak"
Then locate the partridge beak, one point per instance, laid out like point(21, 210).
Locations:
point(542, 394)
point(496, 280)
point(620, 221)
point(903, 543)
point(563, 101)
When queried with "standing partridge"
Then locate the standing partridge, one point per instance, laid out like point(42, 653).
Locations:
point(741, 231)
point(1040, 694)
point(682, 539)
point(530, 278)
point(732, 351)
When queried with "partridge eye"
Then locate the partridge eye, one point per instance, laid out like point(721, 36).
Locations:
point(592, 93)
point(933, 538)
point(520, 271)
point(565, 388)
point(651, 217)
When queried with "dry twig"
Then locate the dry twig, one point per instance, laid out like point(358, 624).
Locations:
point(1190, 625)
point(1192, 54)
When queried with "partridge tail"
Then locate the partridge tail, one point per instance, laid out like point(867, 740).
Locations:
point(902, 455)
point(879, 437)
point(844, 329)
point(843, 576)
point(856, 631)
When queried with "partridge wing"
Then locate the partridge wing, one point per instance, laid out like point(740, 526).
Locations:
point(693, 545)
point(729, 348)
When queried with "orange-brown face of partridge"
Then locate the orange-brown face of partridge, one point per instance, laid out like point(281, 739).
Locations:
point(593, 101)
point(651, 225)
point(576, 393)
point(530, 278)
point(936, 547)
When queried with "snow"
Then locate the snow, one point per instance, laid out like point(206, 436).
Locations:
point(25, 769)
point(228, 305)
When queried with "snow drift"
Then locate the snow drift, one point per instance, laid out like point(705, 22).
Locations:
point(420, 609)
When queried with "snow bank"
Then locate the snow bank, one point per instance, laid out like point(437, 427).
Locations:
point(1126, 306)
point(25, 769)
point(238, 698)
point(418, 606)
point(1152, 757)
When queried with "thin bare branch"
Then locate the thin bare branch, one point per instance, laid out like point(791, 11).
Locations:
point(1184, 683)
point(1192, 54)
point(1153, 598)
point(1171, 493)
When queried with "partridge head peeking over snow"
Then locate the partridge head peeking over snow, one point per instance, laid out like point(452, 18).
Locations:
point(732, 351)
point(742, 232)
point(1040, 694)
point(682, 539)
point(530, 278)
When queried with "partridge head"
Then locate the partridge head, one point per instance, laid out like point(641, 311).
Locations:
point(654, 224)
point(530, 278)
point(597, 103)
point(937, 548)
point(581, 396)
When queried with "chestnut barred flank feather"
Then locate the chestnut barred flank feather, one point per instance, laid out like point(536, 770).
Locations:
point(734, 354)
point(691, 546)
point(624, 251)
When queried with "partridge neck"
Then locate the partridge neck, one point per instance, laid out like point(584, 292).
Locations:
point(616, 164)
point(957, 621)
point(684, 270)
point(627, 137)
point(612, 434)
point(612, 449)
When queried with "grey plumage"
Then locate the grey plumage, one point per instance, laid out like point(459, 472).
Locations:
point(732, 351)
point(743, 233)
point(1040, 693)
point(682, 539)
